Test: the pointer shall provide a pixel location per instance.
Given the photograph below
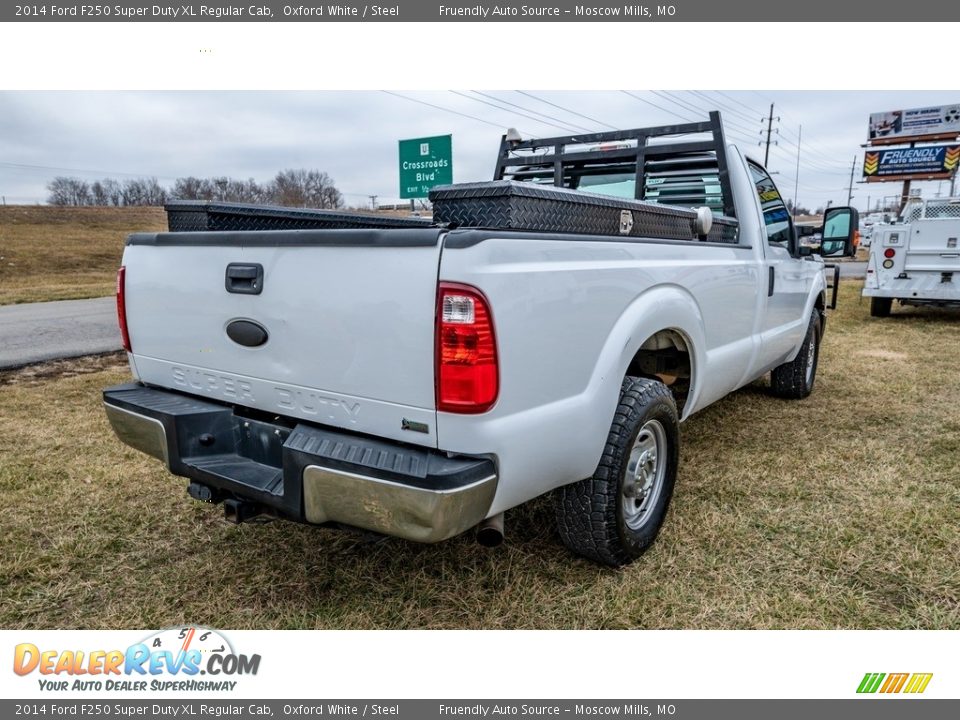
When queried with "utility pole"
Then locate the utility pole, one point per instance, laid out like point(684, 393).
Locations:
point(769, 119)
point(853, 167)
point(796, 177)
point(905, 193)
point(373, 202)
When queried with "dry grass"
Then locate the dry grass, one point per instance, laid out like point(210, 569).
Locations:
point(840, 511)
point(50, 253)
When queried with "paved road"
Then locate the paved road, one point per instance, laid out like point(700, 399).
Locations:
point(36, 332)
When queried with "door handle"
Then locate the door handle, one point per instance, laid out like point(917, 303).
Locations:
point(244, 278)
point(770, 282)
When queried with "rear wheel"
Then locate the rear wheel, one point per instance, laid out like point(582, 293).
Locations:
point(614, 516)
point(794, 380)
point(880, 306)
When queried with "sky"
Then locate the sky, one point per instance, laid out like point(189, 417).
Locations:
point(353, 136)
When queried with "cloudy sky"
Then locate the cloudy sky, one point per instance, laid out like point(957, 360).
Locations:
point(353, 135)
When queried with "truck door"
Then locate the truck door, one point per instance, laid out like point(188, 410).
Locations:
point(787, 279)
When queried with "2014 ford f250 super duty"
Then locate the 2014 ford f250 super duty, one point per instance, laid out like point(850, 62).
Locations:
point(546, 331)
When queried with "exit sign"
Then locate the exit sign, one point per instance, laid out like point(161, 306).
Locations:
point(425, 163)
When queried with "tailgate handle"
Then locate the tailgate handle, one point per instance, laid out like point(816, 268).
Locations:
point(244, 278)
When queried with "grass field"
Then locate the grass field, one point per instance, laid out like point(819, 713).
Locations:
point(839, 511)
point(51, 253)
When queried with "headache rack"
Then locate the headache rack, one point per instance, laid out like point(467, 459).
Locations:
point(685, 168)
point(608, 183)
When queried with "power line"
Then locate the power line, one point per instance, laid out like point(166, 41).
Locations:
point(670, 99)
point(448, 110)
point(698, 109)
point(739, 113)
point(727, 122)
point(738, 102)
point(811, 148)
point(669, 112)
point(566, 128)
point(104, 173)
point(807, 162)
point(826, 155)
point(535, 112)
point(735, 135)
point(572, 112)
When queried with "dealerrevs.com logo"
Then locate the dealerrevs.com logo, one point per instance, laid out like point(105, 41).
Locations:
point(178, 659)
point(891, 683)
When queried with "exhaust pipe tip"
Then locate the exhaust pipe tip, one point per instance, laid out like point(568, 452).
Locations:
point(490, 531)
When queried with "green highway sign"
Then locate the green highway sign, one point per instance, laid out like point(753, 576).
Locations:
point(424, 163)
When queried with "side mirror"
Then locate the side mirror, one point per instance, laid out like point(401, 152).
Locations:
point(841, 233)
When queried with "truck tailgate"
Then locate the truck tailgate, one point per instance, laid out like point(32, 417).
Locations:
point(349, 317)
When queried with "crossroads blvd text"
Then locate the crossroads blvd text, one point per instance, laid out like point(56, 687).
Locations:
point(631, 12)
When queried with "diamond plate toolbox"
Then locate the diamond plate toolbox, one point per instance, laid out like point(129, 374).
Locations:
point(199, 215)
point(507, 204)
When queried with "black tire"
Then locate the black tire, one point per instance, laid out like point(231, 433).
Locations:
point(880, 307)
point(595, 517)
point(794, 380)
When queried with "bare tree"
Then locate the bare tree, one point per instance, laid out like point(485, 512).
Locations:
point(191, 188)
point(294, 188)
point(154, 194)
point(142, 192)
point(111, 192)
point(68, 191)
point(219, 189)
point(305, 188)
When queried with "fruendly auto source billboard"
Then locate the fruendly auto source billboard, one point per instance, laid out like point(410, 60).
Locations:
point(932, 162)
point(927, 123)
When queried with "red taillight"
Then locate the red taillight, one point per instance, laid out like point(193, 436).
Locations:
point(467, 370)
point(889, 252)
point(122, 308)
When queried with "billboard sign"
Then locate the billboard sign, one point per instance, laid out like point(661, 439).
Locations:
point(931, 162)
point(897, 126)
point(425, 163)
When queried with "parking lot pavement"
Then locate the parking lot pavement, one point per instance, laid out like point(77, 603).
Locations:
point(37, 332)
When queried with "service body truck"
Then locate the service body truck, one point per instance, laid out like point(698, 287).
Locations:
point(916, 260)
point(547, 332)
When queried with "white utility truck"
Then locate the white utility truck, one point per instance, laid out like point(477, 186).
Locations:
point(546, 332)
point(914, 260)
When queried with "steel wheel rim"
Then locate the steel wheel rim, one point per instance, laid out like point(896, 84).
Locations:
point(643, 477)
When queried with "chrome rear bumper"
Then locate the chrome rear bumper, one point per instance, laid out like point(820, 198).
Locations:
point(304, 472)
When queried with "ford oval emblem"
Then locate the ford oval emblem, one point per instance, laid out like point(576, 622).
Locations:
point(247, 333)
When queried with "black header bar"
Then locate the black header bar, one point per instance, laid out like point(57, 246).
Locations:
point(532, 11)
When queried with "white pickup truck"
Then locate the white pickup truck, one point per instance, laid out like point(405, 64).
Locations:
point(547, 331)
point(914, 260)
